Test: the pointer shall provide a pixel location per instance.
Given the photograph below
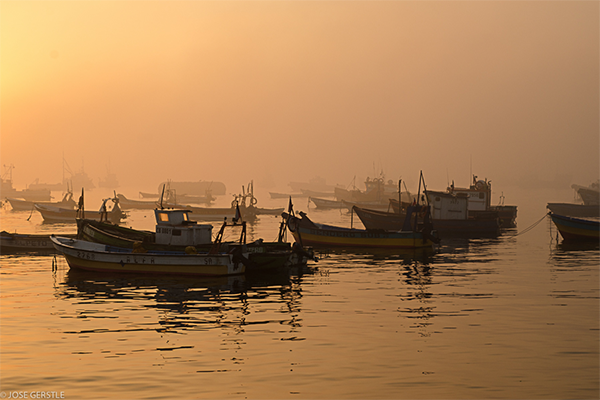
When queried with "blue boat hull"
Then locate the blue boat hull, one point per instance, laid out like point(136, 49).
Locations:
point(577, 229)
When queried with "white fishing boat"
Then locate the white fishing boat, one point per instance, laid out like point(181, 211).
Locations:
point(480, 195)
point(129, 204)
point(26, 205)
point(326, 203)
point(574, 210)
point(53, 214)
point(590, 195)
point(103, 258)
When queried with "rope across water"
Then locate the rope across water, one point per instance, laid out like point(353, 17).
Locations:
point(529, 228)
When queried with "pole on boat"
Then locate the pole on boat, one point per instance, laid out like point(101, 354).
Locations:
point(400, 196)
point(80, 206)
point(282, 224)
point(425, 189)
point(418, 199)
point(161, 198)
point(243, 234)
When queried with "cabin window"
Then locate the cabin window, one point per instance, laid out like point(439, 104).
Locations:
point(163, 217)
point(437, 199)
point(481, 195)
point(186, 217)
point(176, 232)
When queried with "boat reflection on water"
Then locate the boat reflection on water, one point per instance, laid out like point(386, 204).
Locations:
point(574, 254)
point(417, 304)
point(406, 256)
point(459, 260)
point(184, 302)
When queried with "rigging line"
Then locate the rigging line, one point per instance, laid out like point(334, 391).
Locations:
point(529, 228)
point(32, 208)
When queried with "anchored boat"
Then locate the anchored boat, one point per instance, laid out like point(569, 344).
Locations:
point(449, 216)
point(577, 229)
point(412, 234)
point(26, 205)
point(52, 214)
point(11, 243)
point(176, 232)
point(90, 256)
point(309, 233)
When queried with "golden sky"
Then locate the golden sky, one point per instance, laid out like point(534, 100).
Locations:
point(279, 91)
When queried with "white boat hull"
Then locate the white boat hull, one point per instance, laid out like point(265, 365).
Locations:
point(98, 257)
point(52, 214)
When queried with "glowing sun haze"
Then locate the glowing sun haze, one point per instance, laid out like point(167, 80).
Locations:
point(279, 91)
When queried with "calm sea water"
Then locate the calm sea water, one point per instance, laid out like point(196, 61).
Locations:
point(512, 317)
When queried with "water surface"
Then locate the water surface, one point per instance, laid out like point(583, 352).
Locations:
point(512, 317)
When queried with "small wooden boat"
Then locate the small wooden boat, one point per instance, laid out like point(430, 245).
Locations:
point(26, 205)
point(129, 204)
point(212, 213)
point(90, 256)
point(53, 214)
point(574, 210)
point(11, 243)
point(577, 229)
point(219, 213)
point(146, 195)
point(309, 233)
point(326, 203)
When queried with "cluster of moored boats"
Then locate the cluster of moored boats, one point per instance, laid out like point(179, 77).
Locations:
point(181, 245)
point(177, 246)
point(465, 212)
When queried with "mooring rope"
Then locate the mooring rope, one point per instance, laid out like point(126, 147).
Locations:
point(32, 208)
point(529, 228)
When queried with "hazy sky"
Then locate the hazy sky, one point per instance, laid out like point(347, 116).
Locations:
point(279, 91)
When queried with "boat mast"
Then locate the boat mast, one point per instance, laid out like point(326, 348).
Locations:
point(161, 197)
point(400, 196)
point(417, 205)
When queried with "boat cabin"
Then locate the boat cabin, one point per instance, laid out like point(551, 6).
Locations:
point(479, 194)
point(174, 227)
point(448, 206)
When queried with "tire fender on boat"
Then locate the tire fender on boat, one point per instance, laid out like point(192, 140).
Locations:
point(292, 223)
